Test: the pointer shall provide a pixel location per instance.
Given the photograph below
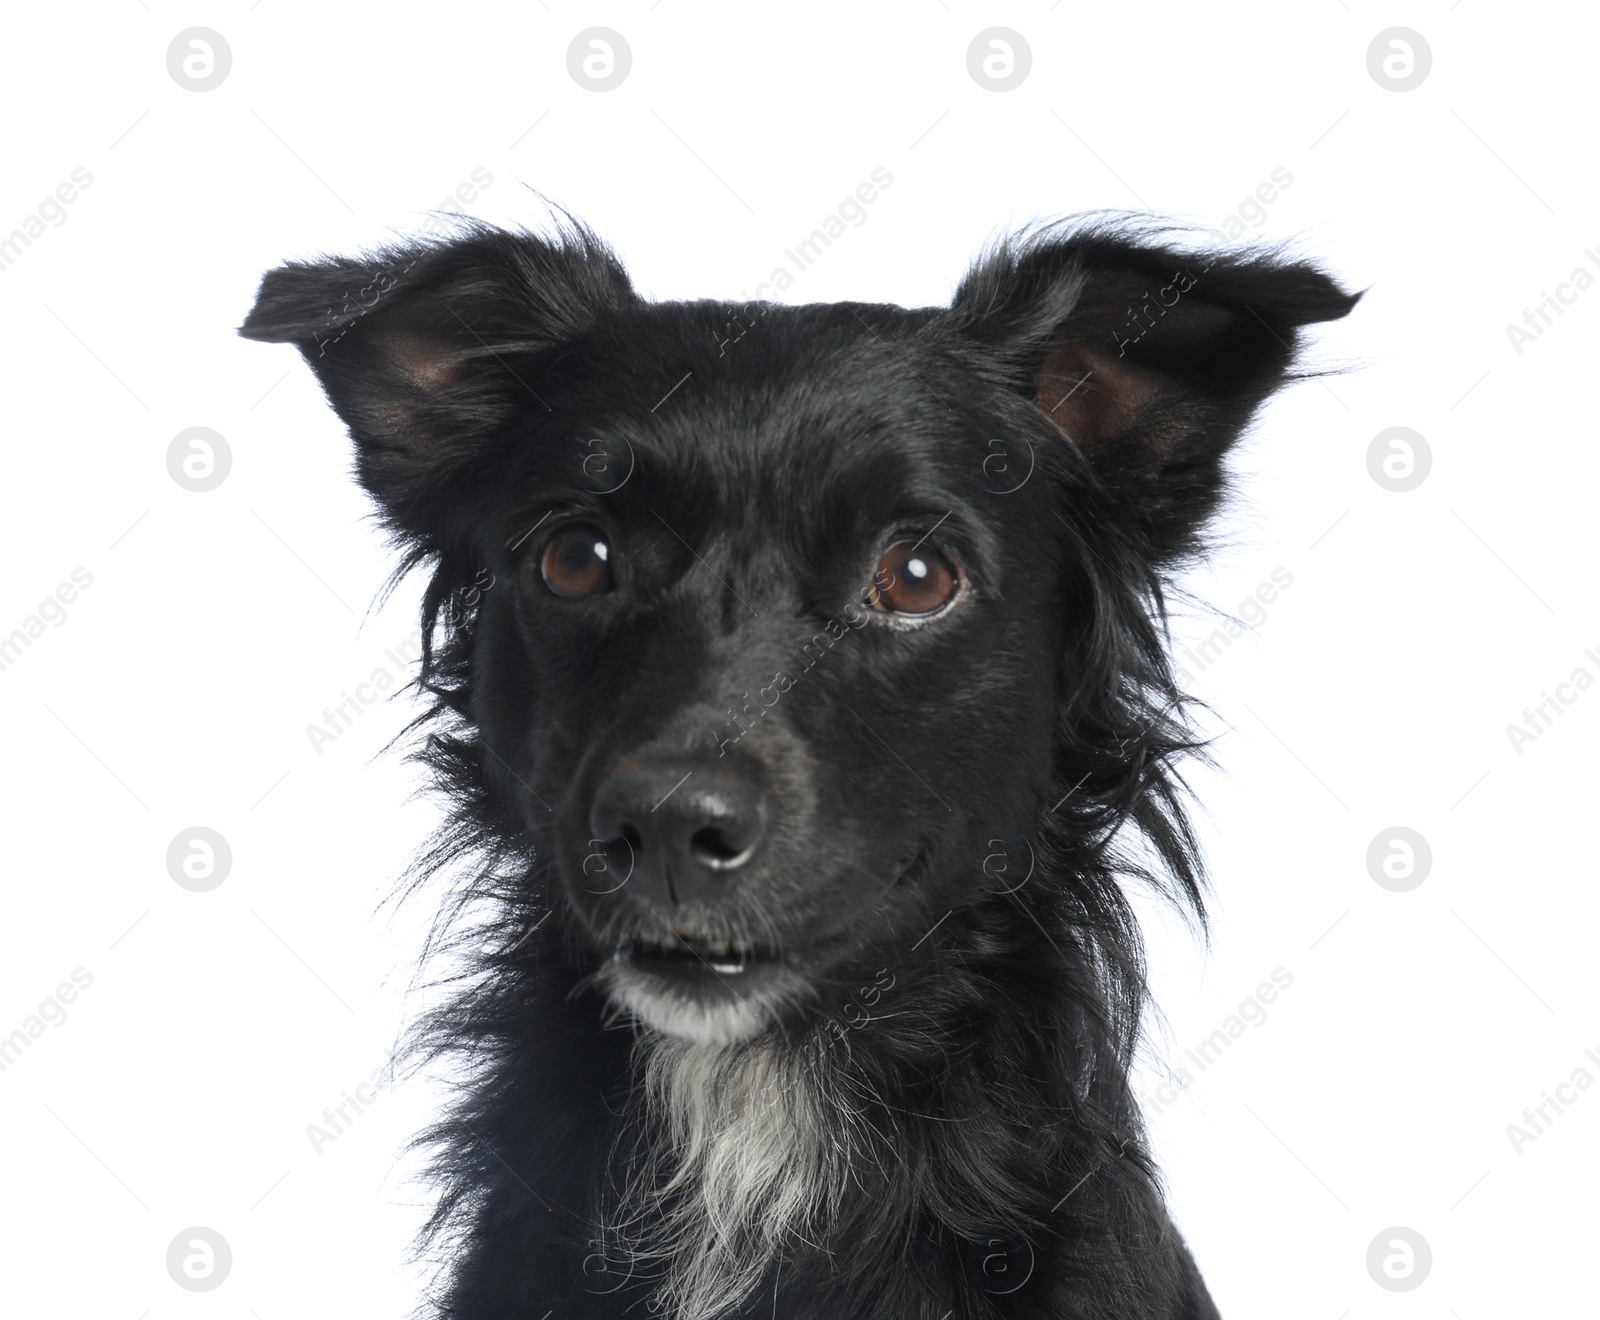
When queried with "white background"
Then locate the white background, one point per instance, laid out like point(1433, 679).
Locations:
point(1377, 692)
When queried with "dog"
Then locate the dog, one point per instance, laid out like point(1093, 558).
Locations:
point(797, 679)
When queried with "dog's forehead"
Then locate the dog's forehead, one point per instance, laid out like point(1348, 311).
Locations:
point(765, 396)
point(768, 434)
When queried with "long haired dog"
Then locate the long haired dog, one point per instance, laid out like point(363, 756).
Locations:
point(798, 680)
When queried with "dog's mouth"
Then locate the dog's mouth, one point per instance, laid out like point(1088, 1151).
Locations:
point(702, 963)
point(707, 990)
point(723, 988)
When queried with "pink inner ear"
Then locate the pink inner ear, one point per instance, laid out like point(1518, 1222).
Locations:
point(427, 364)
point(1091, 394)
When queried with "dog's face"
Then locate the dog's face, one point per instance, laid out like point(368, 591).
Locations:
point(771, 616)
point(753, 650)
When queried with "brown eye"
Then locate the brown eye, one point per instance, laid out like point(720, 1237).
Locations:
point(576, 562)
point(913, 579)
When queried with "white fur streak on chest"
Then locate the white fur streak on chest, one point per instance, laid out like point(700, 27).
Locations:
point(749, 1151)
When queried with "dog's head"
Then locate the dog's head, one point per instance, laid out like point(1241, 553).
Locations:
point(772, 623)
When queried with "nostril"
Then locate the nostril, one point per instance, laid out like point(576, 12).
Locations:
point(687, 836)
point(713, 848)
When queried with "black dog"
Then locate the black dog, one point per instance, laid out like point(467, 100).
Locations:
point(798, 680)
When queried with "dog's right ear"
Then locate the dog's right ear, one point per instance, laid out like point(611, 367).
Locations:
point(425, 350)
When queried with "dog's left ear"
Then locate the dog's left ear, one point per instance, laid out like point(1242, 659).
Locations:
point(427, 349)
point(1150, 358)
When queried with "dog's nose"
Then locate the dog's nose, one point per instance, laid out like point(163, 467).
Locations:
point(686, 828)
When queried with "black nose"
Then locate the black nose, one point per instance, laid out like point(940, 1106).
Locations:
point(683, 828)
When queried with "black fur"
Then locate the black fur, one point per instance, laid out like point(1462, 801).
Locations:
point(994, 777)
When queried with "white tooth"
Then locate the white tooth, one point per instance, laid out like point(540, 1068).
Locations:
point(727, 969)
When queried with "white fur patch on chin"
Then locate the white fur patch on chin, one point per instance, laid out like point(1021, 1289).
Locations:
point(722, 1021)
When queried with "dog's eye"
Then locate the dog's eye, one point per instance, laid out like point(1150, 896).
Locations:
point(913, 579)
point(576, 562)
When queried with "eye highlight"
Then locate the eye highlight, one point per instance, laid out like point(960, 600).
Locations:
point(913, 579)
point(576, 562)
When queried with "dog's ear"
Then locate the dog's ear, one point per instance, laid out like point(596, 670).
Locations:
point(426, 349)
point(1149, 357)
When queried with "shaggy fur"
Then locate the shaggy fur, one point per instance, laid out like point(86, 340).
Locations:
point(898, 1089)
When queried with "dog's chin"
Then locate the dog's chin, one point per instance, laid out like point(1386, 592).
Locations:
point(713, 1009)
